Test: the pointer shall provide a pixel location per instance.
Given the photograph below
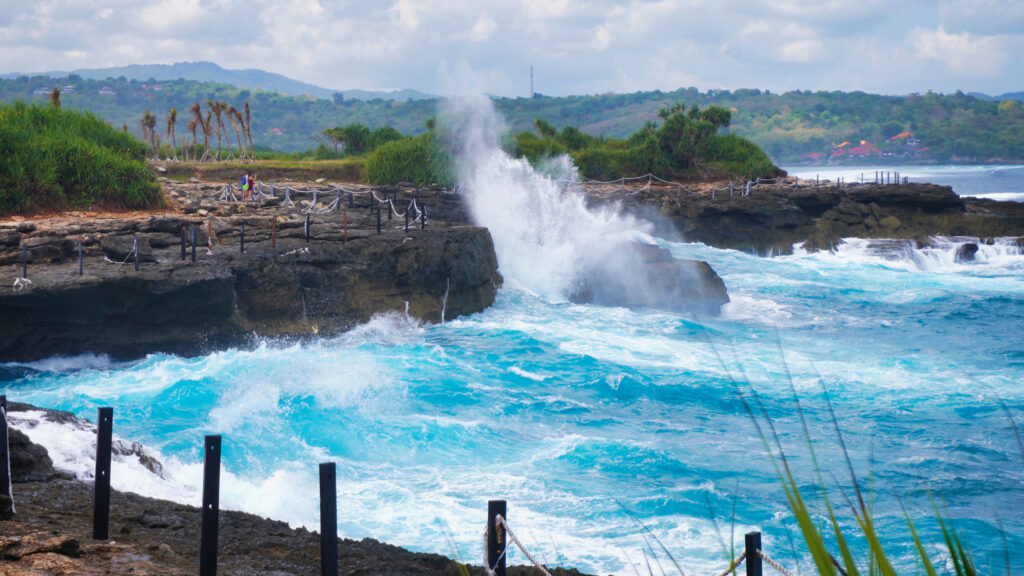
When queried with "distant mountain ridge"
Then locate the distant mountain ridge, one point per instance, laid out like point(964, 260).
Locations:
point(248, 78)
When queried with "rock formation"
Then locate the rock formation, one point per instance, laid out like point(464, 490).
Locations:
point(771, 220)
point(282, 285)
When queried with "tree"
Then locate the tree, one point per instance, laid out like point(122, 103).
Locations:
point(172, 138)
point(55, 97)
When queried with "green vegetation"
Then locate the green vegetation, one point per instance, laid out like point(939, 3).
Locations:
point(788, 127)
point(55, 159)
point(687, 145)
point(420, 159)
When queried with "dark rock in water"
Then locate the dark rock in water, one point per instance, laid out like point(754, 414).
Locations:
point(966, 252)
point(647, 276)
point(29, 462)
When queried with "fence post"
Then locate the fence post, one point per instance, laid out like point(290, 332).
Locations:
point(753, 560)
point(344, 220)
point(241, 244)
point(378, 220)
point(80, 258)
point(496, 537)
point(194, 234)
point(351, 200)
point(328, 520)
point(24, 261)
point(407, 219)
point(182, 242)
point(211, 506)
point(307, 228)
point(135, 248)
point(423, 220)
point(101, 499)
point(6, 492)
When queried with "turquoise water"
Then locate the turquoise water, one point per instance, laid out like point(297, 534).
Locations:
point(592, 420)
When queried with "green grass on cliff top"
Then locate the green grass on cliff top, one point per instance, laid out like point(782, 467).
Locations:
point(54, 159)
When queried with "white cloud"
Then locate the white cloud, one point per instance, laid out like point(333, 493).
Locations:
point(576, 47)
point(960, 53)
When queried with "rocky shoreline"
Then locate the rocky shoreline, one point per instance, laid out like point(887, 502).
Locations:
point(51, 533)
point(283, 285)
point(770, 219)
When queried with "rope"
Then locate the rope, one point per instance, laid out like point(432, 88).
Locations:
point(499, 521)
point(734, 564)
point(773, 564)
point(488, 568)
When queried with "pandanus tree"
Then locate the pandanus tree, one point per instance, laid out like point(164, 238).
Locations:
point(192, 125)
point(217, 109)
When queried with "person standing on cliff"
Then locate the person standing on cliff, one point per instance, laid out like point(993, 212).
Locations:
point(245, 186)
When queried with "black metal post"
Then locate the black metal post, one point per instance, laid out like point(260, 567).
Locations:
point(80, 258)
point(496, 537)
point(135, 249)
point(307, 228)
point(753, 560)
point(5, 464)
point(182, 242)
point(101, 500)
point(423, 220)
point(211, 507)
point(241, 244)
point(328, 520)
point(391, 207)
point(24, 262)
point(193, 244)
point(378, 220)
point(406, 219)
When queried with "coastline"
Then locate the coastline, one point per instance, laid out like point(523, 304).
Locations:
point(51, 531)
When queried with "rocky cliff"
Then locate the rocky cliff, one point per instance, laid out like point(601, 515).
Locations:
point(770, 219)
point(282, 285)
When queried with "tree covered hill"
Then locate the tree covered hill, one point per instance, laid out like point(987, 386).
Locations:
point(797, 126)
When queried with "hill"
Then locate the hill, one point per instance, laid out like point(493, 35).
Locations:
point(794, 127)
point(250, 78)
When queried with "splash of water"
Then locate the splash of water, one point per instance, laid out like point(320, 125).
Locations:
point(546, 238)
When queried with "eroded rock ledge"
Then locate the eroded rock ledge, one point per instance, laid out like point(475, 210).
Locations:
point(771, 221)
point(281, 286)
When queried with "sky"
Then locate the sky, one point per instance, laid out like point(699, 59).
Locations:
point(575, 47)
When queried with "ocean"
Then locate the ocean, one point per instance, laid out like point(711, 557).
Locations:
point(617, 436)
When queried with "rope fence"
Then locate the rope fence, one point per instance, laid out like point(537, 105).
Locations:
point(497, 534)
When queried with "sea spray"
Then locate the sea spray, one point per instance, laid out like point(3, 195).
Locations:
point(546, 239)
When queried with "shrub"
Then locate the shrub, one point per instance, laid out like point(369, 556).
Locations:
point(58, 159)
point(420, 159)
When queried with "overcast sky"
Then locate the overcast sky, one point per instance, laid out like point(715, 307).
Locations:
point(576, 47)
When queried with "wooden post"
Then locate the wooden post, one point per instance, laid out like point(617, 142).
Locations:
point(496, 540)
point(328, 520)
point(135, 249)
point(307, 228)
point(351, 200)
point(194, 236)
point(182, 242)
point(80, 258)
point(378, 220)
point(24, 261)
point(423, 220)
point(6, 491)
point(753, 560)
point(101, 500)
point(211, 507)
point(407, 219)
point(345, 224)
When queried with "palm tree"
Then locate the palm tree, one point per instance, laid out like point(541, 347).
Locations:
point(216, 108)
point(55, 98)
point(248, 130)
point(192, 125)
point(172, 138)
point(207, 128)
point(197, 117)
point(149, 130)
point(232, 115)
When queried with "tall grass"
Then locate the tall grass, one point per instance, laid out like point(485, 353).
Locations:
point(419, 159)
point(58, 159)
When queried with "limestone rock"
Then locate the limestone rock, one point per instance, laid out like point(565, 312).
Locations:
point(966, 252)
